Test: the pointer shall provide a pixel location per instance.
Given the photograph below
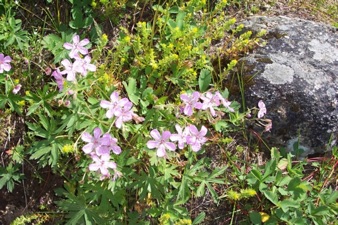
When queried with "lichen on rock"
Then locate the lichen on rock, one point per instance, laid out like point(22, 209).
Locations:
point(300, 77)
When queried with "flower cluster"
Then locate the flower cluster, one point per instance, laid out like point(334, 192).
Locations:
point(190, 135)
point(81, 62)
point(99, 148)
point(120, 108)
point(210, 101)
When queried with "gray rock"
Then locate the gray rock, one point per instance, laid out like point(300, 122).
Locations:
point(296, 75)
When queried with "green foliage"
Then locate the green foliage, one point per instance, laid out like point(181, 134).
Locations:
point(164, 55)
point(54, 44)
point(10, 175)
point(293, 200)
point(81, 14)
point(11, 33)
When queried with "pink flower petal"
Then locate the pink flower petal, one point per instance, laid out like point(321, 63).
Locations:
point(88, 148)
point(166, 135)
point(171, 146)
point(161, 152)
point(86, 137)
point(155, 134)
point(97, 132)
point(152, 144)
point(94, 167)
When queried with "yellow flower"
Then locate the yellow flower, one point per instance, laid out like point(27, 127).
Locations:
point(93, 4)
point(233, 195)
point(247, 193)
point(21, 103)
point(104, 38)
point(126, 39)
point(183, 222)
point(67, 149)
point(164, 219)
point(264, 216)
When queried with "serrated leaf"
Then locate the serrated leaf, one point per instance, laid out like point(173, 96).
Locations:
point(39, 152)
point(199, 219)
point(200, 190)
point(220, 125)
point(3, 181)
point(76, 217)
point(213, 193)
point(183, 193)
point(33, 108)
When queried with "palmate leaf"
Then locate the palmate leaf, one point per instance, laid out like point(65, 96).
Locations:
point(78, 209)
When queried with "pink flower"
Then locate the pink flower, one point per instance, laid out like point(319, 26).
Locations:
point(83, 65)
point(112, 144)
point(95, 143)
point(210, 101)
point(103, 164)
point(121, 109)
point(5, 63)
point(114, 104)
point(262, 109)
point(196, 138)
point(58, 78)
point(181, 136)
point(191, 102)
point(17, 89)
point(161, 142)
point(70, 70)
point(77, 47)
point(123, 114)
point(225, 102)
point(138, 119)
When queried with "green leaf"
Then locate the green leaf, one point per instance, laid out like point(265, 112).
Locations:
point(255, 217)
point(40, 151)
point(76, 217)
point(33, 108)
point(184, 193)
point(288, 203)
point(3, 181)
point(321, 211)
point(200, 190)
point(131, 90)
point(199, 219)
point(271, 196)
point(220, 125)
point(212, 192)
point(204, 79)
point(180, 19)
